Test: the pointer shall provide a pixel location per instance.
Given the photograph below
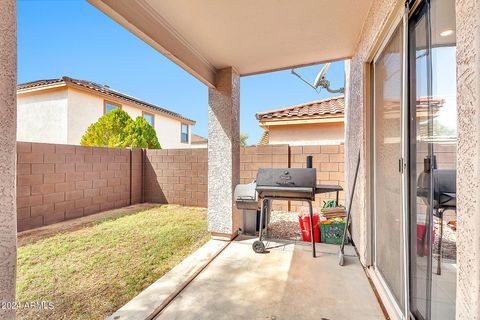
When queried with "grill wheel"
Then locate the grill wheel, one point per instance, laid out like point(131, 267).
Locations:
point(258, 247)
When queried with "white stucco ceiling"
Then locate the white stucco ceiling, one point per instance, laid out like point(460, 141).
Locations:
point(253, 36)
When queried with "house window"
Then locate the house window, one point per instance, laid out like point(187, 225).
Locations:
point(149, 117)
point(109, 106)
point(184, 133)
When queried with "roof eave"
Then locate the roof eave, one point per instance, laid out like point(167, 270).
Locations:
point(258, 115)
point(300, 121)
point(67, 83)
point(42, 87)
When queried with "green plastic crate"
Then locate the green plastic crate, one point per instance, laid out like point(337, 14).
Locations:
point(332, 233)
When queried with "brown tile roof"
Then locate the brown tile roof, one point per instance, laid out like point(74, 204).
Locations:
point(198, 139)
point(317, 109)
point(38, 83)
point(104, 89)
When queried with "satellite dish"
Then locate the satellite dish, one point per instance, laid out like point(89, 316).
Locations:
point(320, 81)
point(321, 75)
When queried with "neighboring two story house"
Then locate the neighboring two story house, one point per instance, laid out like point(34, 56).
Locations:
point(314, 123)
point(60, 111)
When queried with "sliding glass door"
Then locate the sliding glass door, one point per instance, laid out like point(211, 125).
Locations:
point(387, 178)
point(420, 164)
point(414, 170)
point(432, 143)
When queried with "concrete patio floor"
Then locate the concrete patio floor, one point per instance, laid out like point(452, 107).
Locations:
point(285, 283)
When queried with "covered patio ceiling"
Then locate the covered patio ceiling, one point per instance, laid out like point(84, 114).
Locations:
point(251, 36)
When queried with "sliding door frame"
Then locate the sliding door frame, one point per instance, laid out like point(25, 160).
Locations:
point(405, 161)
point(400, 18)
point(420, 7)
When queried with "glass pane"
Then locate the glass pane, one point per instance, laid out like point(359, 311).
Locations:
point(433, 172)
point(387, 177)
point(149, 118)
point(420, 154)
point(109, 107)
point(444, 139)
point(184, 133)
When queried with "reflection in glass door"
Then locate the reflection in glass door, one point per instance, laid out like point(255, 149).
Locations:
point(387, 178)
point(420, 166)
point(432, 146)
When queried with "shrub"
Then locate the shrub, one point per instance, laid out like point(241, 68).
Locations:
point(141, 135)
point(116, 129)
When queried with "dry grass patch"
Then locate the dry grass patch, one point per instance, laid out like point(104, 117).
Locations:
point(91, 272)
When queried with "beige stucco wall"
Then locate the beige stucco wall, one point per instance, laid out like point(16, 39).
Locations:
point(42, 117)
point(311, 134)
point(8, 117)
point(468, 147)
point(223, 153)
point(169, 133)
point(84, 109)
point(355, 131)
point(132, 111)
point(63, 115)
point(468, 159)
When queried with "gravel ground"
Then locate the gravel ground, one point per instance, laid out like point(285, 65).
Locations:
point(449, 242)
point(284, 225)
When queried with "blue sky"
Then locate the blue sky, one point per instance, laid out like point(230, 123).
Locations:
point(72, 38)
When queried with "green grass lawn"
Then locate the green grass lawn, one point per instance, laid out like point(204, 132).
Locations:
point(91, 272)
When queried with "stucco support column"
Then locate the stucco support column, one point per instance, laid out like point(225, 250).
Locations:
point(468, 159)
point(8, 120)
point(223, 153)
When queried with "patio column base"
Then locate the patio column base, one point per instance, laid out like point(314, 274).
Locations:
point(223, 152)
point(223, 236)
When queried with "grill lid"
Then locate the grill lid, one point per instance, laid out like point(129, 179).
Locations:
point(246, 192)
point(287, 183)
point(287, 177)
point(246, 197)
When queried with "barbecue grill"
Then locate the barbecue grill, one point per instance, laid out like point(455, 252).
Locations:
point(297, 184)
point(444, 198)
point(246, 199)
point(293, 184)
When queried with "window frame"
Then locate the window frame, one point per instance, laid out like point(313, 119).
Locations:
point(105, 102)
point(150, 114)
point(181, 133)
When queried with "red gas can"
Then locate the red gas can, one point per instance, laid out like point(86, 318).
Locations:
point(305, 227)
point(421, 237)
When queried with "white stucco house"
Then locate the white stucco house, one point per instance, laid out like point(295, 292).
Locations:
point(60, 110)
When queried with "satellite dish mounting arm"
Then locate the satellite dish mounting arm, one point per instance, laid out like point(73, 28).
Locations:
point(320, 81)
point(324, 83)
point(308, 83)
